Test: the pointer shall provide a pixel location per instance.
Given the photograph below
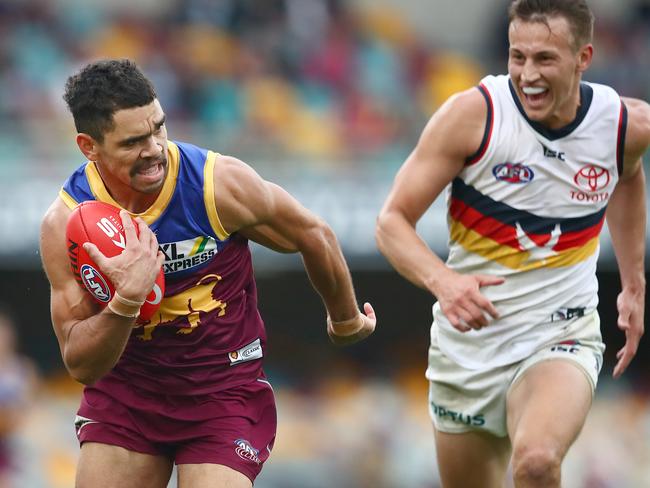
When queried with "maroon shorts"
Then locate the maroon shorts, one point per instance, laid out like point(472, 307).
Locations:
point(235, 427)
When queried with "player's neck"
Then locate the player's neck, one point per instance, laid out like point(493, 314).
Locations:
point(129, 199)
point(134, 202)
point(567, 111)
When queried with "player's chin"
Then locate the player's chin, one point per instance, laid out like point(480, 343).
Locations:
point(148, 183)
point(539, 112)
point(148, 187)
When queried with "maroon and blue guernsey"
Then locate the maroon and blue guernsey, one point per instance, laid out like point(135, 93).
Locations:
point(207, 335)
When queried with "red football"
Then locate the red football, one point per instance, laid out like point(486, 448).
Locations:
point(101, 224)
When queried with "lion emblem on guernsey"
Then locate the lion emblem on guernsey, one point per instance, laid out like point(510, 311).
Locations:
point(191, 304)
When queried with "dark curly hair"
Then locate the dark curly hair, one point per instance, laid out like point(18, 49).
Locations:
point(576, 12)
point(102, 88)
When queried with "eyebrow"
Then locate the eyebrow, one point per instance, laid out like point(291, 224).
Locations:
point(142, 137)
point(514, 50)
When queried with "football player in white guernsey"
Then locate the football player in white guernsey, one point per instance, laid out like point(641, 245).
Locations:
point(531, 161)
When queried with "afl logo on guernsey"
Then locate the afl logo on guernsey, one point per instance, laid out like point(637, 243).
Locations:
point(513, 173)
point(95, 284)
point(592, 178)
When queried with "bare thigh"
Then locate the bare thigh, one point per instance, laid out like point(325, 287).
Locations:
point(210, 476)
point(547, 407)
point(106, 466)
point(472, 459)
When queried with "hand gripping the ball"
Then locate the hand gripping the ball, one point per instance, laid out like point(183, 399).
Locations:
point(135, 273)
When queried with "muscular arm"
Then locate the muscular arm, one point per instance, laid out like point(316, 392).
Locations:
point(626, 219)
point(91, 340)
point(264, 212)
point(452, 134)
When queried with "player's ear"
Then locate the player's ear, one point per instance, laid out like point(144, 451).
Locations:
point(585, 55)
point(88, 146)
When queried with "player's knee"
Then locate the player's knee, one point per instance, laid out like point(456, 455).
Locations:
point(536, 466)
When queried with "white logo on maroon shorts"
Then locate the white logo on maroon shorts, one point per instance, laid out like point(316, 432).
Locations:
point(247, 452)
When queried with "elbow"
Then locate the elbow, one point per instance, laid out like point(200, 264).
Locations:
point(83, 376)
point(322, 234)
point(80, 372)
point(317, 239)
point(382, 227)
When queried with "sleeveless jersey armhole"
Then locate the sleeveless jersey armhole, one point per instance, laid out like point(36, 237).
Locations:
point(487, 134)
point(620, 140)
point(208, 196)
point(70, 202)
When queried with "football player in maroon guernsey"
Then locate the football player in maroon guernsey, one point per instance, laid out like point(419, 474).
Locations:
point(186, 387)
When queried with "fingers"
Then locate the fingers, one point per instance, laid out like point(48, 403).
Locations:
point(370, 312)
point(489, 280)
point(456, 323)
point(472, 317)
point(145, 234)
point(624, 359)
point(472, 312)
point(95, 254)
point(623, 322)
point(463, 303)
point(135, 269)
point(129, 228)
point(487, 306)
point(153, 241)
point(160, 259)
point(625, 355)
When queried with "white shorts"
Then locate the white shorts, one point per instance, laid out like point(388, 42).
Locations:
point(463, 400)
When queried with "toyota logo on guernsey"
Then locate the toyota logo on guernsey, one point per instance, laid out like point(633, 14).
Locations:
point(513, 173)
point(592, 178)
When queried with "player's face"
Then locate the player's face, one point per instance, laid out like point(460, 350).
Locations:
point(134, 153)
point(546, 69)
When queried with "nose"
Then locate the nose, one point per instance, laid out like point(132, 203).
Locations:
point(530, 73)
point(152, 148)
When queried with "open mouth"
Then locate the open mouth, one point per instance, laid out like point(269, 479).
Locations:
point(151, 172)
point(534, 95)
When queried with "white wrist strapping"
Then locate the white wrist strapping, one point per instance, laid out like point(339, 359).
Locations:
point(347, 327)
point(124, 307)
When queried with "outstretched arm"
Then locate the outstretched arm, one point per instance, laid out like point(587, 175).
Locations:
point(267, 214)
point(626, 220)
point(452, 134)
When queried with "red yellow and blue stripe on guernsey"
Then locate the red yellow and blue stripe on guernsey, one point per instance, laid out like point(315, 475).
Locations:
point(518, 239)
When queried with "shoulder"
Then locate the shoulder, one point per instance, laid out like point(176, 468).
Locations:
point(459, 124)
point(237, 178)
point(638, 121)
point(53, 246)
point(240, 193)
point(637, 135)
point(465, 105)
point(55, 218)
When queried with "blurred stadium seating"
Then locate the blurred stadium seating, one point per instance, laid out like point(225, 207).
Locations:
point(326, 97)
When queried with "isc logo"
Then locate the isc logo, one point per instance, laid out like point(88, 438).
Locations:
point(94, 282)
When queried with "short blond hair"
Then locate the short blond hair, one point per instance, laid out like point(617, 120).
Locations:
point(576, 12)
